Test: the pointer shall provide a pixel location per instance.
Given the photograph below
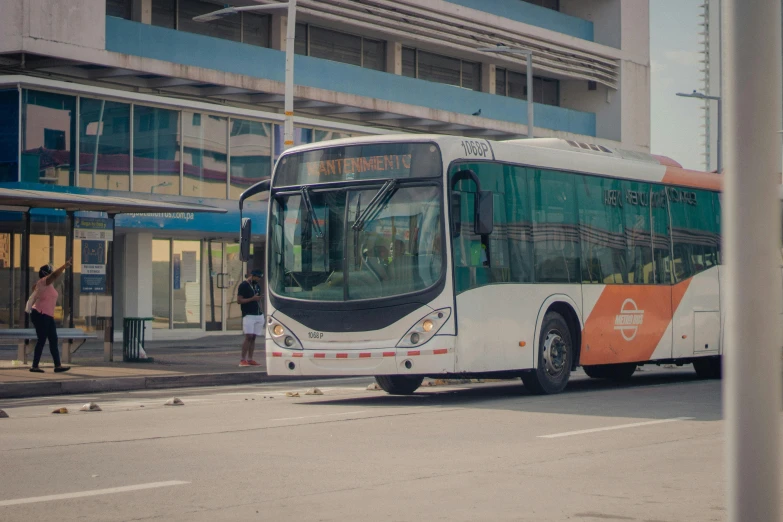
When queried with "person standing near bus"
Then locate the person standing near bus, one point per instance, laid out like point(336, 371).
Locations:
point(42, 316)
point(250, 299)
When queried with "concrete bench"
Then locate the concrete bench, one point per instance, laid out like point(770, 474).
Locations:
point(68, 337)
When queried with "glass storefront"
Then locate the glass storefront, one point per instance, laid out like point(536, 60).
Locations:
point(9, 135)
point(12, 292)
point(156, 152)
point(205, 153)
point(90, 142)
point(104, 144)
point(161, 283)
point(48, 138)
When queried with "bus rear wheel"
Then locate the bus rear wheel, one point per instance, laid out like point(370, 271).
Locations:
point(708, 367)
point(399, 384)
point(555, 356)
point(612, 372)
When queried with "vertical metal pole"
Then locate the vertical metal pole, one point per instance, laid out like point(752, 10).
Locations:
point(26, 262)
point(20, 141)
point(288, 134)
point(720, 135)
point(69, 218)
point(108, 346)
point(530, 122)
point(752, 354)
point(98, 134)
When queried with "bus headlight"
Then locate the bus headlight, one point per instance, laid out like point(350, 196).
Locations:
point(282, 336)
point(425, 329)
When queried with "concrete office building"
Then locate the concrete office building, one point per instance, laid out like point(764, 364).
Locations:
point(132, 97)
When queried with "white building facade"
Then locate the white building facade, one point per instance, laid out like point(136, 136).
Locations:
point(116, 97)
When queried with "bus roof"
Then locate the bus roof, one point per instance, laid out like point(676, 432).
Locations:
point(555, 153)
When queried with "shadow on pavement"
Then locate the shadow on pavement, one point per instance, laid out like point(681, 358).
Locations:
point(652, 396)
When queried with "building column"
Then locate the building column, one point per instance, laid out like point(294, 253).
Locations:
point(488, 77)
point(394, 57)
point(141, 11)
point(277, 32)
point(137, 278)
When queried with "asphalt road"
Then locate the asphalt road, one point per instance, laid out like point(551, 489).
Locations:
point(650, 451)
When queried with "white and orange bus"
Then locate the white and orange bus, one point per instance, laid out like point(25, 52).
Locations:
point(415, 255)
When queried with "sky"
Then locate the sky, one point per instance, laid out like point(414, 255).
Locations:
point(675, 51)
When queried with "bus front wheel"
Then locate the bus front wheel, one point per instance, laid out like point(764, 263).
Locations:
point(555, 356)
point(399, 384)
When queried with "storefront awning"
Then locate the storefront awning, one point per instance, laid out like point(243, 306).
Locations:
point(25, 199)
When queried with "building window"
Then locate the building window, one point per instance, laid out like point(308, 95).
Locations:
point(514, 84)
point(48, 138)
point(227, 27)
point(156, 154)
point(549, 4)
point(119, 8)
point(340, 47)
point(164, 13)
point(250, 154)
point(441, 69)
point(104, 144)
point(9, 136)
point(205, 154)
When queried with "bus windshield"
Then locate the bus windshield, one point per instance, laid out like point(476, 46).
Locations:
point(390, 248)
point(374, 233)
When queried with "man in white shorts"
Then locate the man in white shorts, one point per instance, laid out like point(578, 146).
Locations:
point(250, 299)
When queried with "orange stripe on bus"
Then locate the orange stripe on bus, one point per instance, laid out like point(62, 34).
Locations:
point(628, 322)
point(389, 354)
point(297, 354)
point(692, 178)
point(319, 356)
point(440, 351)
point(414, 352)
point(277, 354)
point(342, 356)
point(364, 355)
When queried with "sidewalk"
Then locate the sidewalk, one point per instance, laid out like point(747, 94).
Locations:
point(209, 360)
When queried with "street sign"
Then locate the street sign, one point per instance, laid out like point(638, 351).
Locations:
point(93, 275)
point(93, 228)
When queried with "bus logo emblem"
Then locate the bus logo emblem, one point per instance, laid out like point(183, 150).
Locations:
point(629, 319)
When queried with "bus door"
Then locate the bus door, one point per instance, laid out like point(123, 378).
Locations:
point(695, 236)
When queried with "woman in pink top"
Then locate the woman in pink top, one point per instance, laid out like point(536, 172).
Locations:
point(42, 316)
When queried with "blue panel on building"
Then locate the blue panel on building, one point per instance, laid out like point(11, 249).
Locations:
point(533, 15)
point(139, 39)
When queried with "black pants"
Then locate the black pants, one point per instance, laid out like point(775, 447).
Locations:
point(45, 329)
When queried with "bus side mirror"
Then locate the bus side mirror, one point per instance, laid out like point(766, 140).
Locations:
point(485, 213)
point(244, 240)
point(456, 214)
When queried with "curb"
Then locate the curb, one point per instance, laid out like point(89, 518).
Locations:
point(111, 384)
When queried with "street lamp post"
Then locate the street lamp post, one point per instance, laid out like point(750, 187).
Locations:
point(701, 96)
point(503, 49)
point(288, 104)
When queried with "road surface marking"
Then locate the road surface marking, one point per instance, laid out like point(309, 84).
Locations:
point(317, 416)
point(610, 428)
point(92, 493)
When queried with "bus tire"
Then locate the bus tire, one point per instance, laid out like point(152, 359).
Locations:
point(399, 384)
point(555, 356)
point(612, 372)
point(708, 367)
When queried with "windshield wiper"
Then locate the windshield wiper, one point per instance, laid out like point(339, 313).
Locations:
point(375, 206)
point(311, 211)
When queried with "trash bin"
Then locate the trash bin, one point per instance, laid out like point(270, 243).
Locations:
point(133, 340)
